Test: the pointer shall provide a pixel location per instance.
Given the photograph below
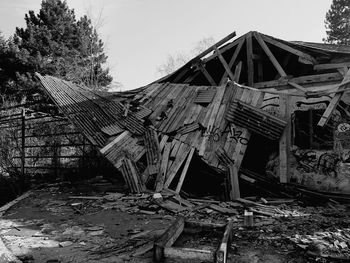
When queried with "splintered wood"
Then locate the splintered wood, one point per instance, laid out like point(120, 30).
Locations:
point(179, 123)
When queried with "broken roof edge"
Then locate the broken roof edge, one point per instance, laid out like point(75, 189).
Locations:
point(313, 50)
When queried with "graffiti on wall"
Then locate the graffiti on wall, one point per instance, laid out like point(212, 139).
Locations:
point(234, 134)
point(309, 161)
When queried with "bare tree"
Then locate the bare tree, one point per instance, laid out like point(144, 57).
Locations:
point(173, 62)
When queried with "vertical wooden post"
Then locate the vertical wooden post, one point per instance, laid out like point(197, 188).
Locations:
point(23, 142)
point(285, 140)
point(250, 63)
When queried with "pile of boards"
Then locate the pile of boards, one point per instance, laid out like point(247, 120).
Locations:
point(152, 134)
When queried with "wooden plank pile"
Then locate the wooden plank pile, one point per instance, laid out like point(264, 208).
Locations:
point(171, 124)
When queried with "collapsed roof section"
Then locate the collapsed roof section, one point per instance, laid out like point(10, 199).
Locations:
point(166, 123)
point(264, 59)
point(152, 134)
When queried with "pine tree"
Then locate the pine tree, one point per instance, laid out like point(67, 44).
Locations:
point(338, 23)
point(55, 43)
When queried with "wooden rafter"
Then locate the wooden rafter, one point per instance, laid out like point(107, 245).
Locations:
point(306, 58)
point(306, 80)
point(206, 74)
point(233, 60)
point(250, 63)
point(224, 63)
point(225, 48)
point(269, 54)
point(213, 47)
point(344, 85)
point(331, 66)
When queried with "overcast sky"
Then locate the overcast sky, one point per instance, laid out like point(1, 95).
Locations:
point(140, 34)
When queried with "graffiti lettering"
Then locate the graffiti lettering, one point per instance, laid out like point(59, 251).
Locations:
point(215, 134)
point(310, 161)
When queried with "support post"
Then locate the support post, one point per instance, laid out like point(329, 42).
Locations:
point(285, 140)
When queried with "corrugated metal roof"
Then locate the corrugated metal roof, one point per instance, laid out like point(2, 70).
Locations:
point(255, 120)
point(205, 96)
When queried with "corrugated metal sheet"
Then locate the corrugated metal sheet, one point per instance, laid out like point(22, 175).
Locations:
point(255, 120)
point(205, 96)
point(189, 128)
point(112, 129)
point(143, 112)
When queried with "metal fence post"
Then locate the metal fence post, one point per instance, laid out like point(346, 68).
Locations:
point(23, 141)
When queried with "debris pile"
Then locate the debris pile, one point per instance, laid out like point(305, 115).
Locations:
point(326, 244)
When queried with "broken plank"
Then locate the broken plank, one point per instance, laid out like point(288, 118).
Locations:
point(233, 173)
point(176, 165)
point(221, 254)
point(212, 117)
point(345, 84)
point(163, 167)
point(115, 141)
point(184, 170)
point(7, 206)
point(167, 239)
point(163, 142)
point(189, 254)
point(223, 210)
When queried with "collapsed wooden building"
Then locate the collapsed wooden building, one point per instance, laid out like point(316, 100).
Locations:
point(253, 105)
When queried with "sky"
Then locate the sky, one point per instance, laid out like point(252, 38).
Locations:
point(140, 34)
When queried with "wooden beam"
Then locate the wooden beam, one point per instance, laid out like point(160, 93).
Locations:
point(224, 63)
point(269, 54)
point(297, 86)
point(207, 75)
point(224, 48)
point(221, 254)
point(306, 58)
point(303, 80)
point(167, 239)
point(196, 58)
point(180, 253)
point(232, 61)
point(184, 171)
point(234, 182)
point(344, 85)
point(284, 143)
point(250, 63)
point(163, 167)
point(212, 48)
point(331, 66)
point(7, 206)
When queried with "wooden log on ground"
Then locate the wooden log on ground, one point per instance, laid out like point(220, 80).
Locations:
point(221, 254)
point(189, 253)
point(167, 239)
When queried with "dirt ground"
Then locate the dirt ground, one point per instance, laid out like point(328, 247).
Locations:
point(49, 226)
